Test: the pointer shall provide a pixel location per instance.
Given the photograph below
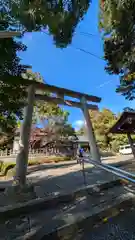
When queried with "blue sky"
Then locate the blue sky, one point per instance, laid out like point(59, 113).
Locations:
point(71, 68)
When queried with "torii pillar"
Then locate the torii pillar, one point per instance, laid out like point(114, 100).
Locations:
point(91, 136)
point(22, 157)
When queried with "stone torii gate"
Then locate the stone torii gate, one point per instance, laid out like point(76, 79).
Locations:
point(59, 97)
point(22, 158)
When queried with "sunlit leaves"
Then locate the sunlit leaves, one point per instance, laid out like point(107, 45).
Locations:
point(59, 17)
point(102, 121)
point(117, 20)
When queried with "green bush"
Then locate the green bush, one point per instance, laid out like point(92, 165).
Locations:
point(6, 166)
point(61, 159)
point(54, 159)
point(33, 162)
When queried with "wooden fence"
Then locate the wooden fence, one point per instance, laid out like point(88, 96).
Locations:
point(40, 152)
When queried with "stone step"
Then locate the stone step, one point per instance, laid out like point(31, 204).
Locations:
point(69, 219)
point(80, 217)
point(115, 228)
point(52, 202)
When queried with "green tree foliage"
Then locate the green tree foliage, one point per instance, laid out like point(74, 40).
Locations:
point(12, 95)
point(62, 129)
point(59, 17)
point(55, 123)
point(51, 131)
point(51, 117)
point(8, 124)
point(81, 131)
point(102, 121)
point(117, 20)
point(44, 111)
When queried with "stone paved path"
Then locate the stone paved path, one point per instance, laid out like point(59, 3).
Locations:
point(70, 177)
point(52, 182)
point(51, 179)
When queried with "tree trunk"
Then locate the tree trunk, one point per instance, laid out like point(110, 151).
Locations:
point(22, 157)
point(91, 136)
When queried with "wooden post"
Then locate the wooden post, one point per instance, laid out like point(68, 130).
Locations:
point(131, 143)
point(92, 140)
point(22, 157)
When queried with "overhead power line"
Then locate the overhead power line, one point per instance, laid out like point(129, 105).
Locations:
point(92, 54)
point(82, 50)
point(87, 34)
point(87, 52)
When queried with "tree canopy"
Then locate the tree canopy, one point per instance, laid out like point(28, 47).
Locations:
point(44, 111)
point(117, 20)
point(12, 95)
point(60, 17)
point(102, 121)
point(8, 126)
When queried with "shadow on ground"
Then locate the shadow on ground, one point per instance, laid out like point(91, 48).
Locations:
point(52, 185)
point(74, 179)
point(49, 185)
point(69, 164)
point(49, 166)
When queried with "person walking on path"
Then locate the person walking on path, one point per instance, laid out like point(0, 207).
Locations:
point(79, 160)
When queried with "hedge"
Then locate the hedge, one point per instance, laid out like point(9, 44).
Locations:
point(6, 166)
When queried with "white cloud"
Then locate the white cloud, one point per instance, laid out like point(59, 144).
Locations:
point(78, 124)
